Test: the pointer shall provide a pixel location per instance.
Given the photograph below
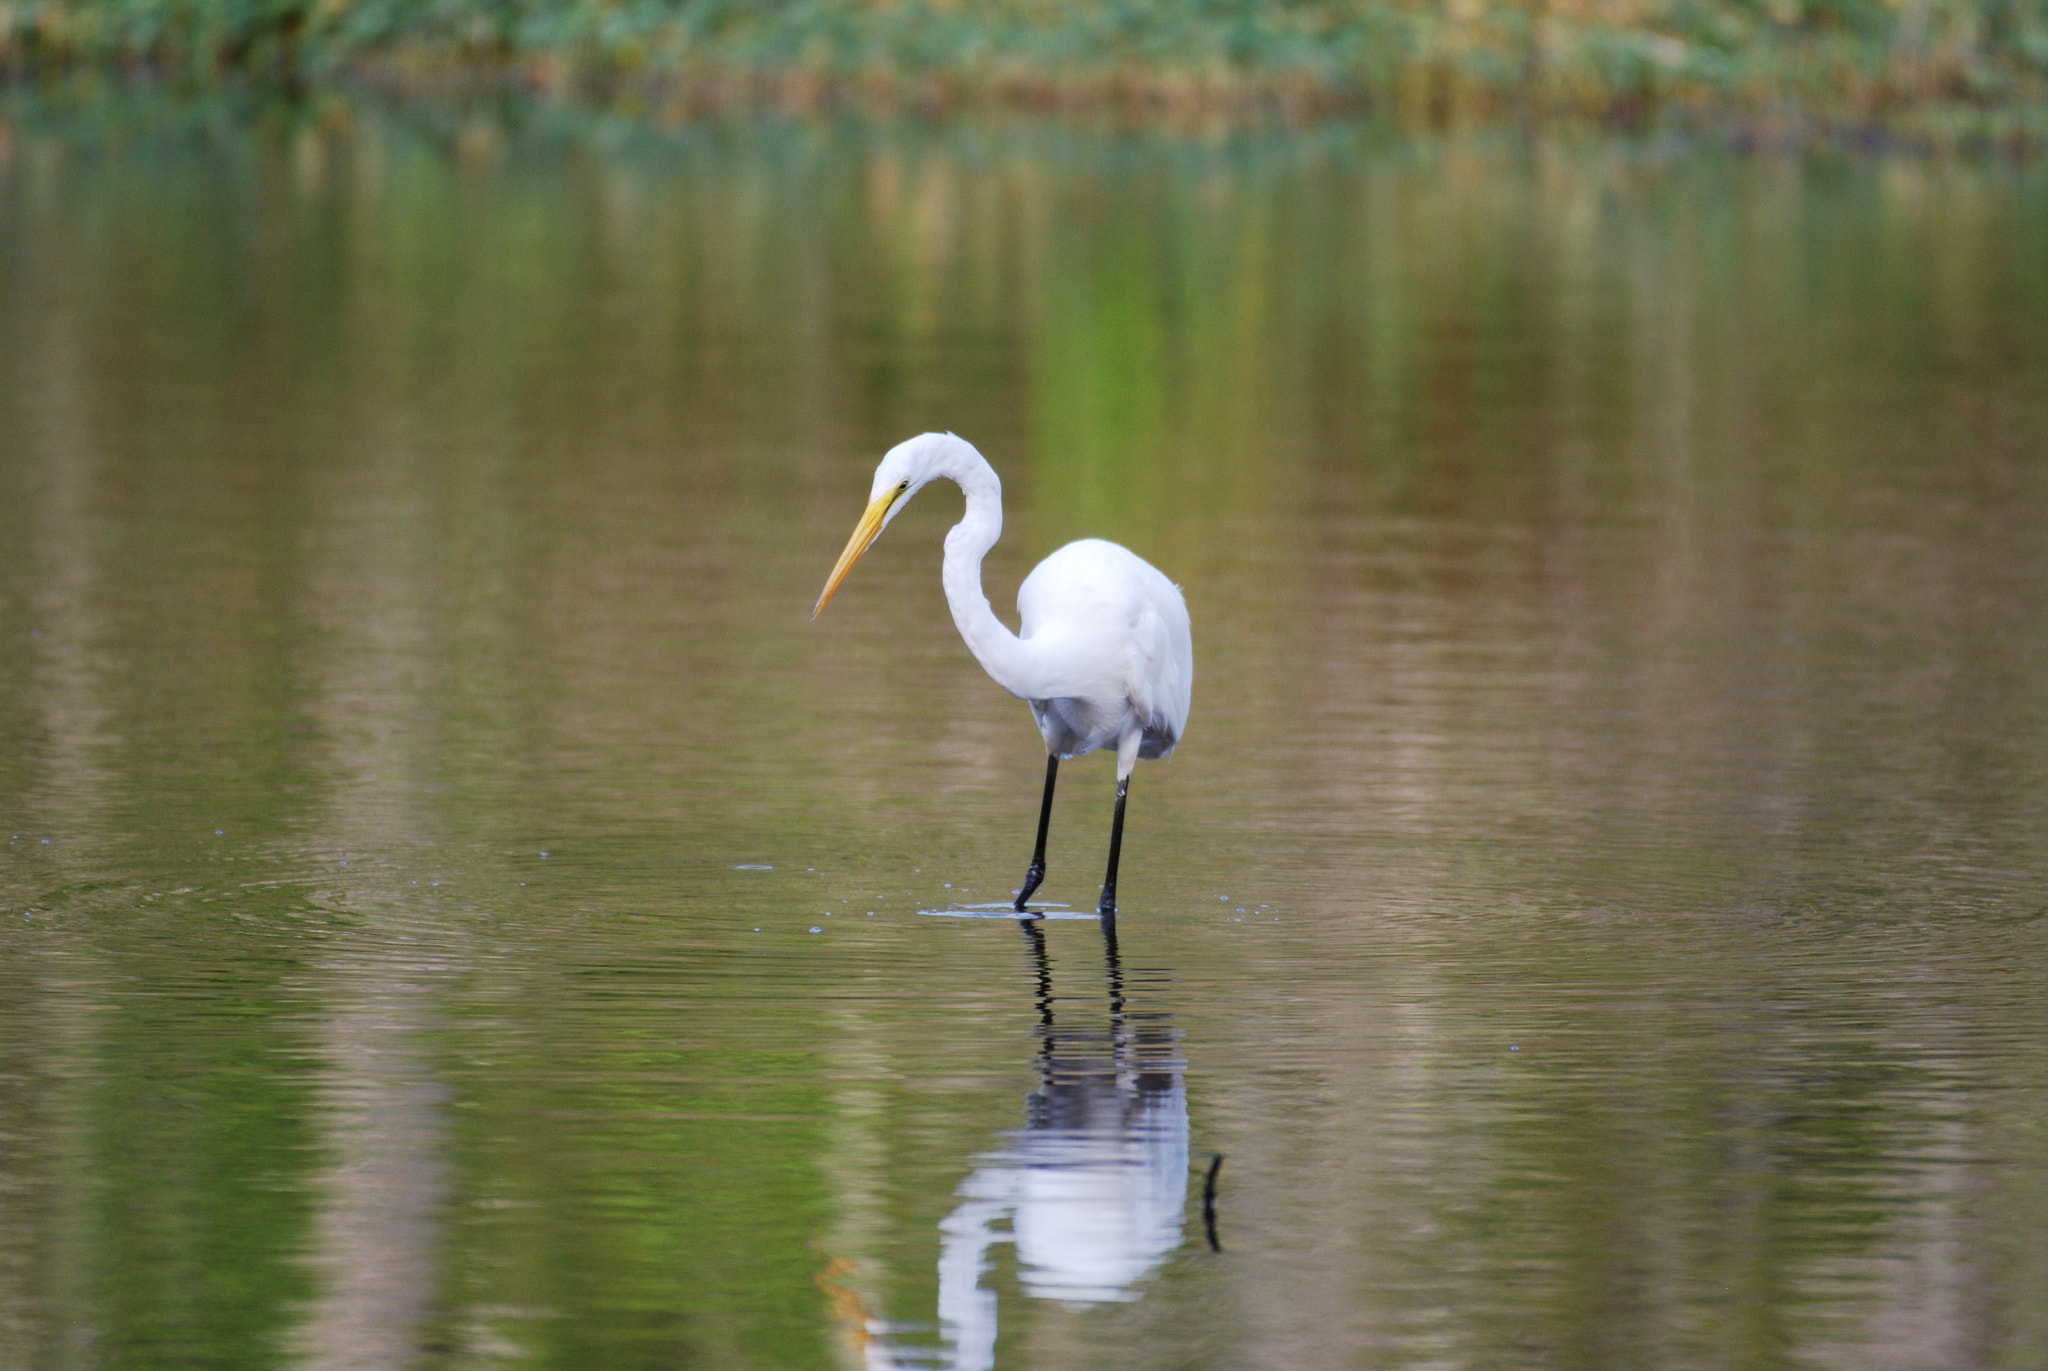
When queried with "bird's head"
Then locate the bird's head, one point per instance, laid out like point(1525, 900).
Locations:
point(906, 469)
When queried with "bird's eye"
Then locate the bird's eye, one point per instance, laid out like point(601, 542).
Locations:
point(903, 486)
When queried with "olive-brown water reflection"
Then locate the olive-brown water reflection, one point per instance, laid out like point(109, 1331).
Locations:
point(1601, 880)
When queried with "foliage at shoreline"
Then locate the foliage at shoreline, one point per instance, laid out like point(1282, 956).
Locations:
point(1862, 61)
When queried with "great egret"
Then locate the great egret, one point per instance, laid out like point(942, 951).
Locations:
point(1105, 656)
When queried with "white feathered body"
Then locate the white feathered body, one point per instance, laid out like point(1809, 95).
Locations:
point(1113, 649)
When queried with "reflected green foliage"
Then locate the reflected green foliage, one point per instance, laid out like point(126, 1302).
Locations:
point(201, 1143)
point(1620, 591)
point(1433, 59)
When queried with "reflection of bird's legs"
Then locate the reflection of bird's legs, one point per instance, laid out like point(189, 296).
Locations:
point(1036, 871)
point(1041, 967)
point(1116, 847)
point(1113, 967)
point(1122, 1057)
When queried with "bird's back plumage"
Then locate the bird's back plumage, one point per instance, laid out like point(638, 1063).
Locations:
point(1112, 637)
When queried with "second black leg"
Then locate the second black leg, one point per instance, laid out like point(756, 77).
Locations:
point(1116, 847)
point(1035, 873)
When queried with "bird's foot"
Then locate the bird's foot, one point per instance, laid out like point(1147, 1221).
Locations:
point(1033, 878)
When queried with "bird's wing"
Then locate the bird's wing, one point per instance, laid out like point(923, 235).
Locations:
point(1177, 688)
point(1162, 659)
point(1147, 642)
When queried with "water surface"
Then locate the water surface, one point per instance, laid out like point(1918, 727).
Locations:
point(459, 912)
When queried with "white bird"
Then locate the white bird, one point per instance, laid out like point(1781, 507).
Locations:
point(1105, 656)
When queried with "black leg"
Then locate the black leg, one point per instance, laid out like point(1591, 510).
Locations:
point(1116, 847)
point(1035, 873)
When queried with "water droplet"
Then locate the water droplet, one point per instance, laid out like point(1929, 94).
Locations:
point(218, 831)
point(816, 929)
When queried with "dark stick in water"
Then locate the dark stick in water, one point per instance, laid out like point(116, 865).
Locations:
point(1209, 1201)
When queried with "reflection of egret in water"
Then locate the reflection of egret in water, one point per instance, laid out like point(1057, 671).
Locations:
point(1093, 1186)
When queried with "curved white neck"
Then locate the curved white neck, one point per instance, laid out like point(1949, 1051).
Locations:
point(1001, 653)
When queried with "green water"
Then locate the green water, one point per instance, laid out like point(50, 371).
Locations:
point(1597, 909)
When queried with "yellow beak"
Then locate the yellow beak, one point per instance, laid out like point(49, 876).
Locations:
point(864, 533)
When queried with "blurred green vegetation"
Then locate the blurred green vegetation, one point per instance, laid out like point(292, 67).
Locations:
point(1433, 61)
